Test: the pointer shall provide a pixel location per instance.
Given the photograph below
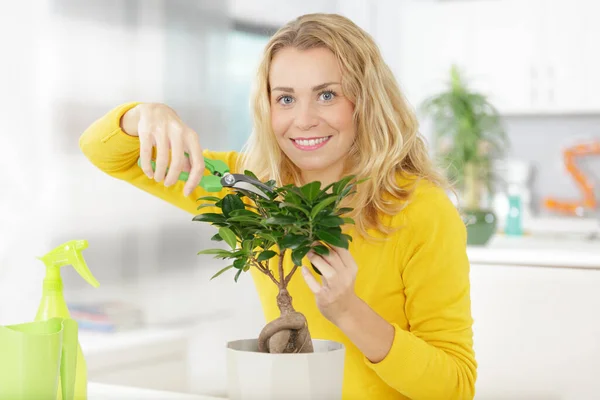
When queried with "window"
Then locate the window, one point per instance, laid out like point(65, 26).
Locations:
point(245, 48)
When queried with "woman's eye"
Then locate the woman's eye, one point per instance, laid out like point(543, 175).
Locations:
point(327, 96)
point(285, 100)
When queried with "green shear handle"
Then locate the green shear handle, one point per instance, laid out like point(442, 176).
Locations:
point(210, 183)
point(220, 177)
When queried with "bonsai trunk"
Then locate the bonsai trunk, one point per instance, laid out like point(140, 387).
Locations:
point(289, 333)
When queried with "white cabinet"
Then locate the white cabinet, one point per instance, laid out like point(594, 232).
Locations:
point(536, 332)
point(527, 56)
point(149, 359)
point(569, 36)
point(503, 57)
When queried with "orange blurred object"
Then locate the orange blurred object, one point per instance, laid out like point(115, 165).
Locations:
point(589, 200)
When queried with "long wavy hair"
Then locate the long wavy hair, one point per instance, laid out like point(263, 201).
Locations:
point(388, 148)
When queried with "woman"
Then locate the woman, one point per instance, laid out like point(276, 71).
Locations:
point(326, 105)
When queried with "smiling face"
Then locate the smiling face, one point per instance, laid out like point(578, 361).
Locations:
point(311, 118)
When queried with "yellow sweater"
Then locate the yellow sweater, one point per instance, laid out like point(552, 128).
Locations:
point(418, 280)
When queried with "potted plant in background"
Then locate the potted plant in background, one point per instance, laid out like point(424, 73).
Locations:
point(283, 361)
point(469, 135)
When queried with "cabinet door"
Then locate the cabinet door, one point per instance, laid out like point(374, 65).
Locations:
point(536, 331)
point(434, 36)
point(565, 59)
point(503, 61)
point(591, 48)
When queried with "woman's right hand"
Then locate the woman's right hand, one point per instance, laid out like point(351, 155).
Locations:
point(157, 125)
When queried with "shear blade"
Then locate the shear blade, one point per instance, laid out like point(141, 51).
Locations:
point(245, 183)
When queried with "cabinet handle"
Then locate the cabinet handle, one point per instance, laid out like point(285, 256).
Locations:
point(551, 84)
point(533, 85)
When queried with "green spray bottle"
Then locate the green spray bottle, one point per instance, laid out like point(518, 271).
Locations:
point(53, 302)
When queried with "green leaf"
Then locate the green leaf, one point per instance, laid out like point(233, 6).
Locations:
point(299, 254)
point(267, 236)
point(297, 192)
point(280, 220)
point(292, 241)
point(311, 190)
point(295, 206)
point(266, 255)
point(348, 237)
point(243, 213)
point(247, 245)
point(218, 253)
point(347, 191)
point(221, 271)
point(331, 221)
point(321, 250)
point(240, 263)
point(229, 237)
point(217, 238)
point(291, 197)
point(332, 239)
point(210, 217)
point(237, 275)
point(344, 210)
point(250, 174)
point(322, 205)
point(205, 205)
point(348, 220)
point(325, 189)
point(232, 202)
point(338, 186)
point(245, 219)
point(209, 198)
point(315, 269)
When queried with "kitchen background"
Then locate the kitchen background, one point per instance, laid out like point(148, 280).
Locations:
point(163, 325)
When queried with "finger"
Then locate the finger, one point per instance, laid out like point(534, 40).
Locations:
point(197, 163)
point(146, 142)
point(310, 280)
point(327, 270)
point(162, 154)
point(177, 159)
point(333, 258)
point(346, 257)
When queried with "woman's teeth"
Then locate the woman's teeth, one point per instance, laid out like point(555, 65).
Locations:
point(311, 142)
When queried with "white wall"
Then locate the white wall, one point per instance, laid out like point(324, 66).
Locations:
point(277, 12)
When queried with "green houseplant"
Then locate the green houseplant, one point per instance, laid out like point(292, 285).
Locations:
point(260, 232)
point(469, 135)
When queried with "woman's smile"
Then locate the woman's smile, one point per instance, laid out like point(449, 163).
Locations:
point(310, 143)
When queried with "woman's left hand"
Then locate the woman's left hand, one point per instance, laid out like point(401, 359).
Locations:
point(335, 296)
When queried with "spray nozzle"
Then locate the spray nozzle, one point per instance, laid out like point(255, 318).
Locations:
point(68, 253)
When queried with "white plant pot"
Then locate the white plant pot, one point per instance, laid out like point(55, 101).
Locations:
point(304, 376)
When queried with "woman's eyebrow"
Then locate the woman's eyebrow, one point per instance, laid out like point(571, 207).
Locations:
point(315, 88)
point(324, 85)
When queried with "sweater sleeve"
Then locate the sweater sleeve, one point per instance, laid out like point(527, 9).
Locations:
point(116, 153)
point(434, 358)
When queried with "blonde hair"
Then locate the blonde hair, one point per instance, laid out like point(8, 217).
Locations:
point(388, 145)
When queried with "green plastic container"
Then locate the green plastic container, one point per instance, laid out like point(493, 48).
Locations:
point(34, 356)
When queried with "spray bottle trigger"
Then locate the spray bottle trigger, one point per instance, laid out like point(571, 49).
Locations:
point(80, 265)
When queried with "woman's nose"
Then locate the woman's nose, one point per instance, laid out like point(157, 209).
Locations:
point(306, 117)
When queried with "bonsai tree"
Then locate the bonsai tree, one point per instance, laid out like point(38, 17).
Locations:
point(258, 231)
point(468, 135)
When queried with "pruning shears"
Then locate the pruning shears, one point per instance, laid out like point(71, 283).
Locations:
point(221, 178)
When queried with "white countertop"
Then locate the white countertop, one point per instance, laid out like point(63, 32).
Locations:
point(97, 391)
point(547, 251)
